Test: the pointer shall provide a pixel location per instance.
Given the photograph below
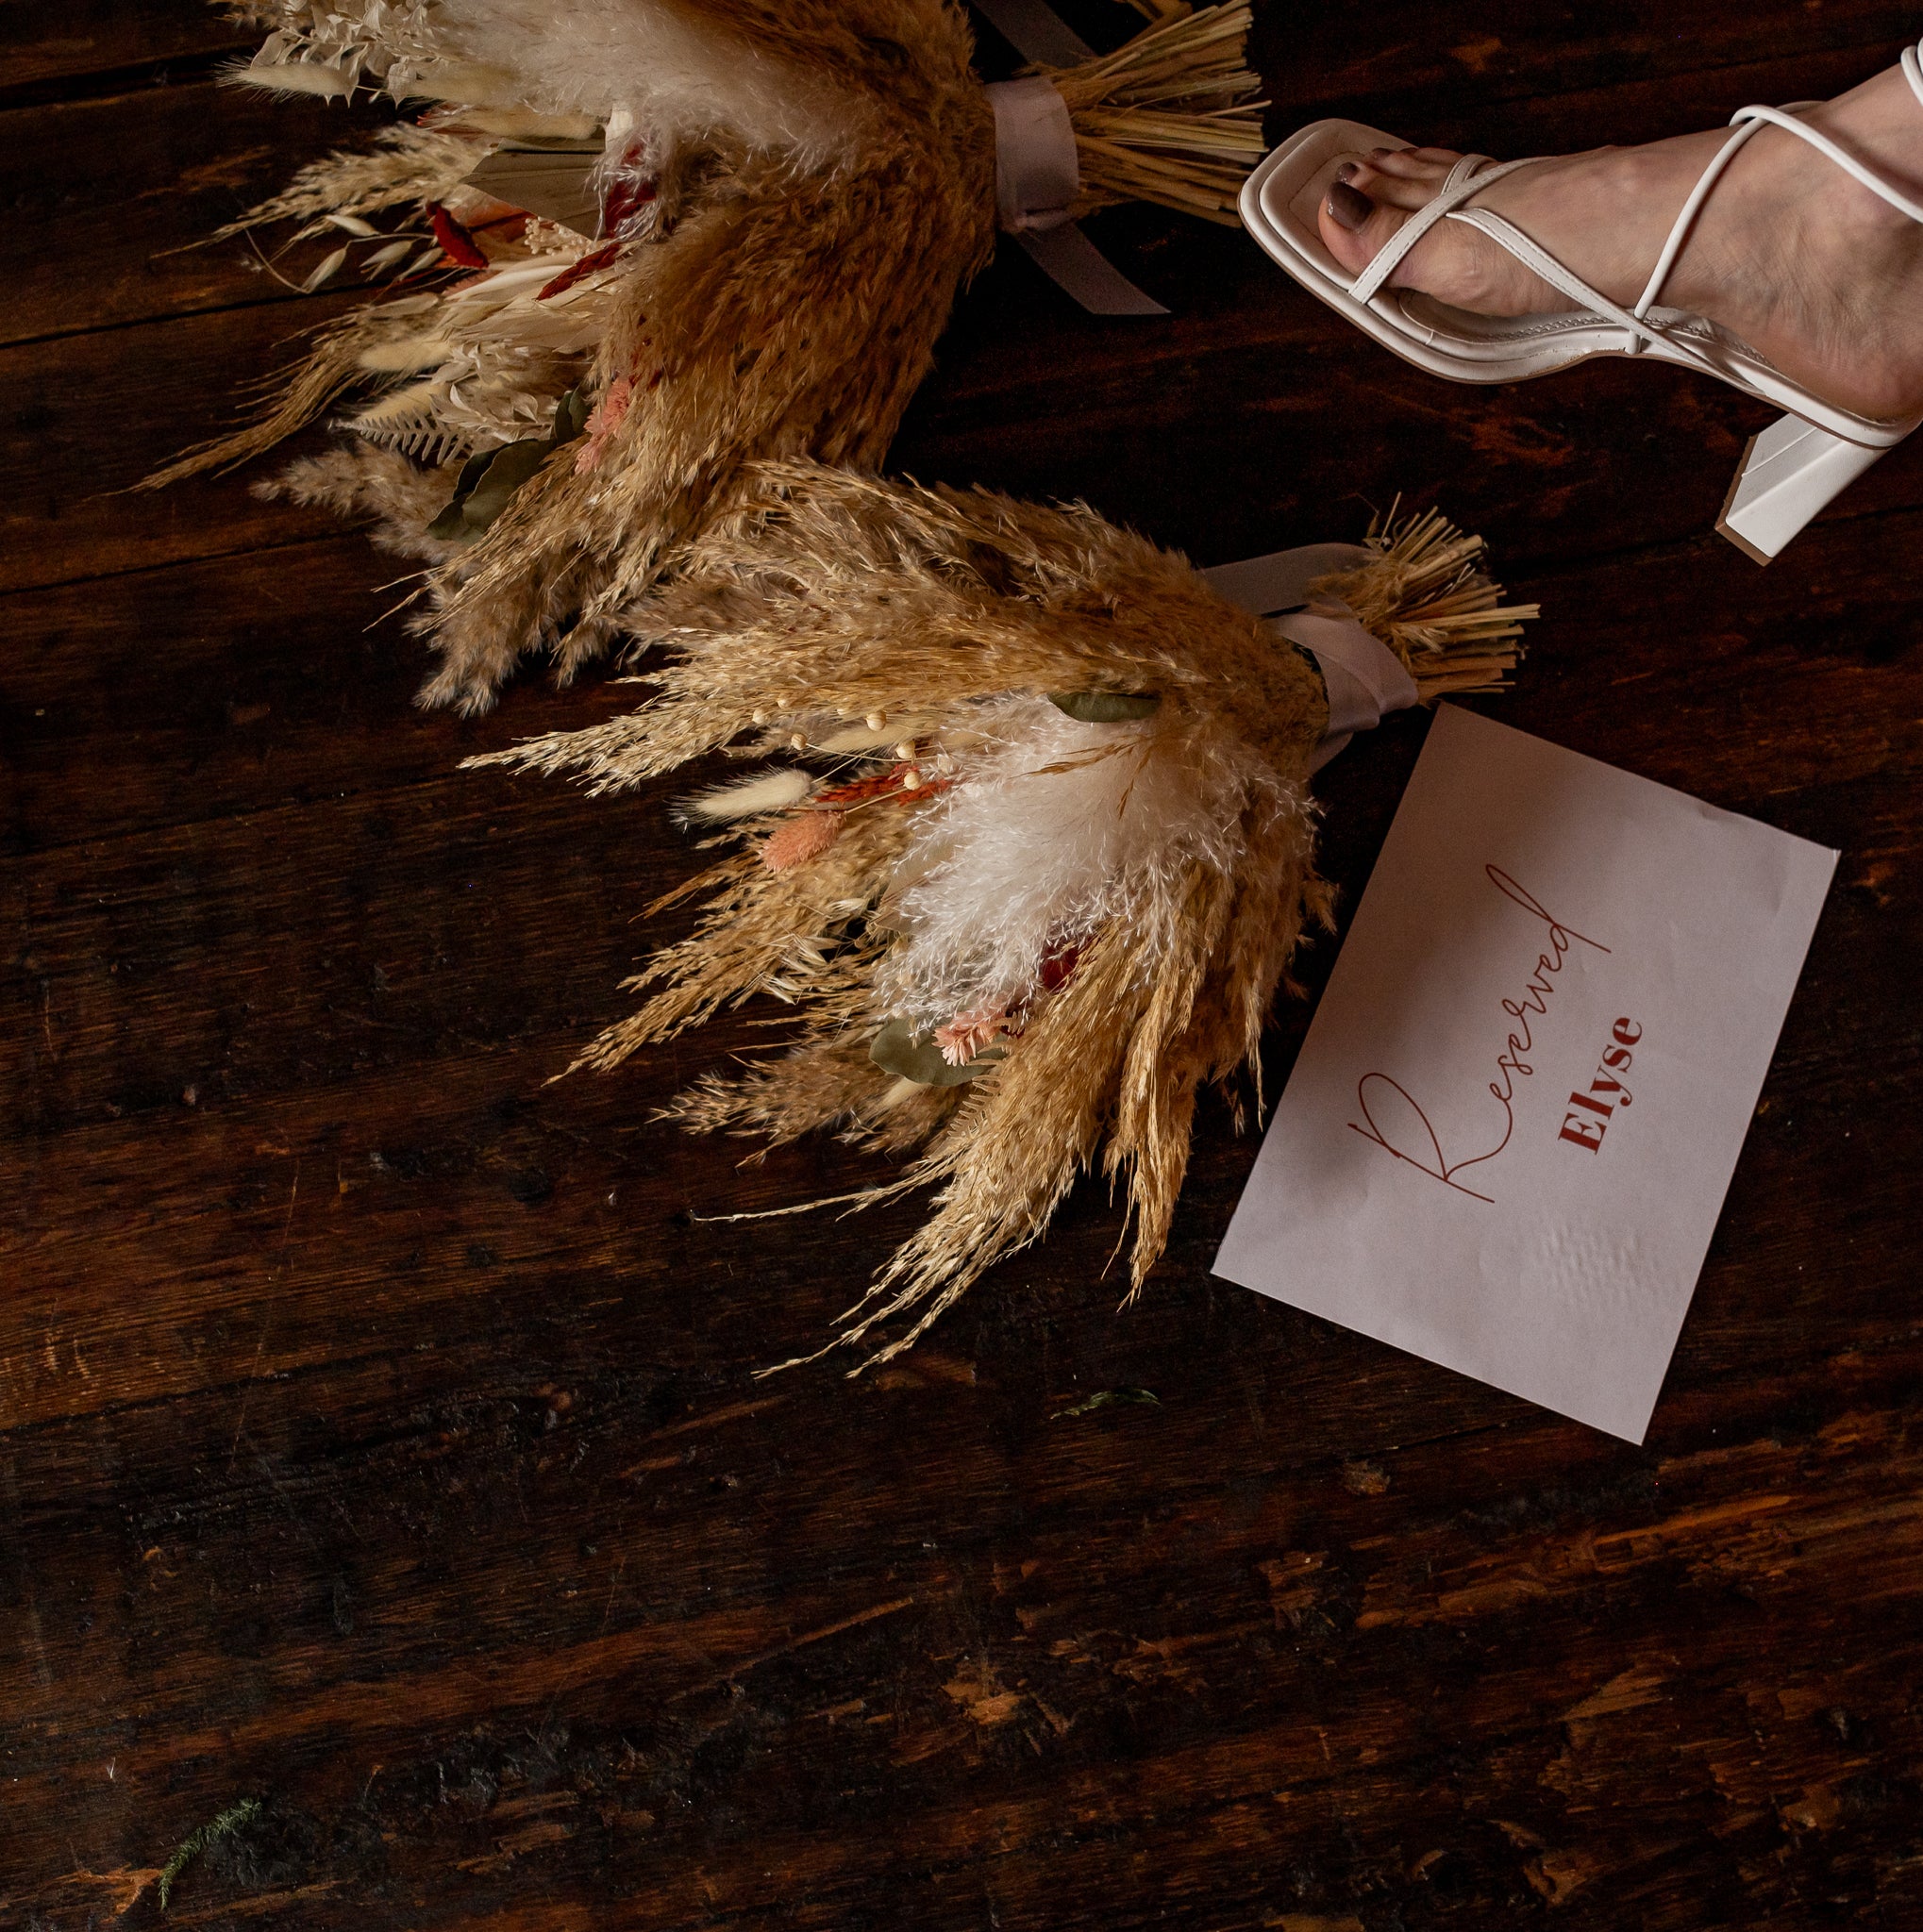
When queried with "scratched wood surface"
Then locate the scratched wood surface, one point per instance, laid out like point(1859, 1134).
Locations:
point(378, 1436)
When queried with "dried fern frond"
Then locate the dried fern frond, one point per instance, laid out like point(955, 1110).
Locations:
point(962, 872)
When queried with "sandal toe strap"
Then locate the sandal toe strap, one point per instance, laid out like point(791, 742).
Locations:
point(1537, 258)
point(1469, 175)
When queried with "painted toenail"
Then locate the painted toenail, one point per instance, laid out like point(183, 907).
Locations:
point(1346, 172)
point(1349, 207)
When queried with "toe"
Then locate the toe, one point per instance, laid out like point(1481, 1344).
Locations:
point(1354, 223)
point(1416, 162)
point(1407, 177)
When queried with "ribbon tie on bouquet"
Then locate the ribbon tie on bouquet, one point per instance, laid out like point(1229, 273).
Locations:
point(1037, 176)
point(1363, 677)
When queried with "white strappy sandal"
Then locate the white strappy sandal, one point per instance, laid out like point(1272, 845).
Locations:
point(1788, 472)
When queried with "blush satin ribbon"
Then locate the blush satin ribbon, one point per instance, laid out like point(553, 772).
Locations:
point(1037, 176)
point(1363, 677)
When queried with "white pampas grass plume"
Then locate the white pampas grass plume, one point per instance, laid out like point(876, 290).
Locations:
point(1056, 829)
point(679, 73)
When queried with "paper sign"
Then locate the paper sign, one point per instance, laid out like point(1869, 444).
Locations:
point(1508, 1134)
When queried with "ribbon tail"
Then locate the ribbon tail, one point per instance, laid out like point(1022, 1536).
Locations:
point(1084, 273)
point(1036, 32)
point(1027, 166)
point(1279, 579)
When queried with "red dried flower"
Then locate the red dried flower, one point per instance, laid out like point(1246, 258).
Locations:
point(576, 271)
point(456, 243)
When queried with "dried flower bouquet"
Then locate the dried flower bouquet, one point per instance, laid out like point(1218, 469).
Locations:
point(690, 234)
point(1037, 849)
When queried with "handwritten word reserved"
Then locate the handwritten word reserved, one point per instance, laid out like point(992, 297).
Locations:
point(1512, 1063)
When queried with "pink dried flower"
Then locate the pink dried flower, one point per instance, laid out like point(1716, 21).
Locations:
point(602, 423)
point(806, 836)
point(967, 1034)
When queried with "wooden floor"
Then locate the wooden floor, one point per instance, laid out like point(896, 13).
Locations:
point(380, 1438)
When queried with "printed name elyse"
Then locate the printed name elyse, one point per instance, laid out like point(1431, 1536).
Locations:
point(1409, 1135)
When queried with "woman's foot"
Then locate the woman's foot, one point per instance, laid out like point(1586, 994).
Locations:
point(1791, 254)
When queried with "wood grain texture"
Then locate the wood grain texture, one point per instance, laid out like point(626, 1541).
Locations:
point(379, 1432)
point(66, 49)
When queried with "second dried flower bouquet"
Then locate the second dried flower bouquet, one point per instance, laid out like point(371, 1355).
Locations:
point(1030, 846)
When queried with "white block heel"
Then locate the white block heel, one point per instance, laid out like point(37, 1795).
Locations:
point(1789, 471)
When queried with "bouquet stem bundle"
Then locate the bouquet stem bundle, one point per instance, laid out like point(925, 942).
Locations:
point(1170, 118)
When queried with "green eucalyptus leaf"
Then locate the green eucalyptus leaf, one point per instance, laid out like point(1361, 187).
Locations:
point(570, 418)
point(1106, 706)
point(450, 525)
point(898, 1049)
point(510, 467)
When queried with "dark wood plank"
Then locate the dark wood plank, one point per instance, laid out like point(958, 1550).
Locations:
point(48, 44)
point(984, 1684)
point(105, 197)
point(214, 689)
point(1469, 62)
point(379, 1430)
point(70, 402)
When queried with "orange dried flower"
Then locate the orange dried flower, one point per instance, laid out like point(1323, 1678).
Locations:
point(806, 836)
point(887, 784)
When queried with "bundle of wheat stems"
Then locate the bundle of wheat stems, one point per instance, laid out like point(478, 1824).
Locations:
point(690, 235)
point(1035, 851)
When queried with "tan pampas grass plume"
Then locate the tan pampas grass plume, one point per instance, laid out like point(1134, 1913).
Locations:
point(1035, 849)
point(723, 231)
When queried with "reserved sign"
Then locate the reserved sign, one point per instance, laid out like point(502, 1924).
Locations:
point(1508, 1134)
